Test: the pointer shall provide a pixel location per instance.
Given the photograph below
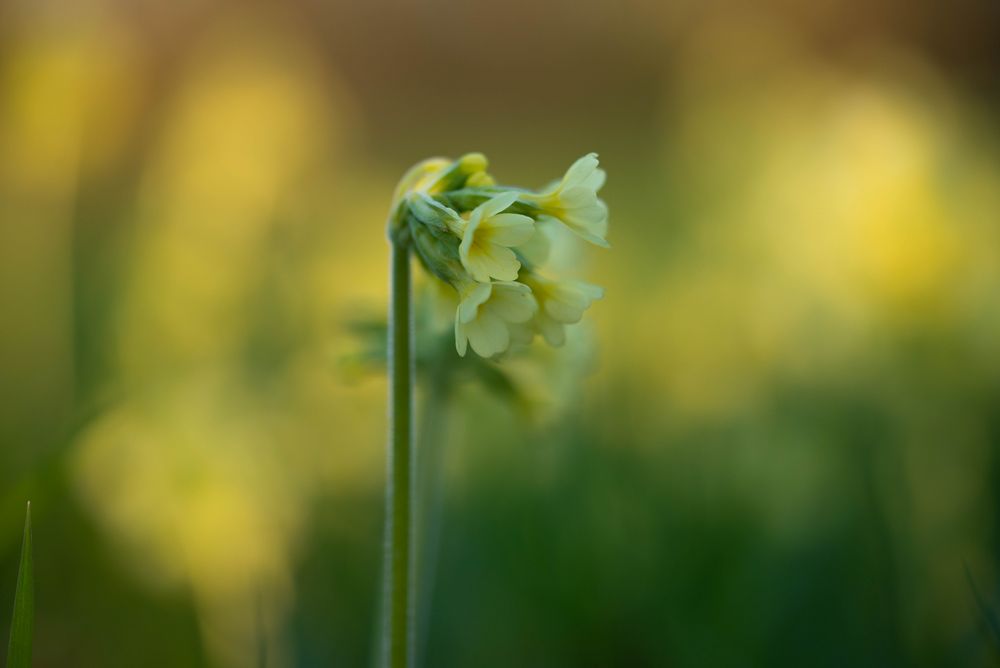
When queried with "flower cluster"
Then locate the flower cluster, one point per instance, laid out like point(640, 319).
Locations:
point(477, 237)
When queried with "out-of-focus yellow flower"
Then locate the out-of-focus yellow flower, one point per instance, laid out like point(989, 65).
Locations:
point(574, 202)
point(488, 235)
point(560, 303)
point(486, 312)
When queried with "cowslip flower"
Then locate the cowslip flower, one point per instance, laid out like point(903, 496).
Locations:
point(484, 317)
point(486, 234)
point(560, 303)
point(488, 237)
point(574, 202)
point(480, 238)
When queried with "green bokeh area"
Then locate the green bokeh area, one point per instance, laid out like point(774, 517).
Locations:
point(774, 442)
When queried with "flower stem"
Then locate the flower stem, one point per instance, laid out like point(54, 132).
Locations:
point(397, 638)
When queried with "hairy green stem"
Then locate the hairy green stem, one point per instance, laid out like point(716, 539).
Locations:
point(398, 627)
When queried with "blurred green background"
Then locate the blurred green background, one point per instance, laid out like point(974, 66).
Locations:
point(775, 442)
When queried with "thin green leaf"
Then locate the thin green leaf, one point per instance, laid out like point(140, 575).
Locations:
point(23, 622)
point(989, 617)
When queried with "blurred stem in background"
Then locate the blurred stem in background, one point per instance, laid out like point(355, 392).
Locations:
point(397, 626)
point(430, 487)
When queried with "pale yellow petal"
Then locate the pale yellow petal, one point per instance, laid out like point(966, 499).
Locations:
point(596, 180)
point(495, 205)
point(513, 304)
point(486, 260)
point(461, 338)
point(510, 229)
point(580, 170)
point(472, 299)
point(553, 332)
point(488, 334)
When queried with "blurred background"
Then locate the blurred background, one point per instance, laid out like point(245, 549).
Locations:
point(775, 442)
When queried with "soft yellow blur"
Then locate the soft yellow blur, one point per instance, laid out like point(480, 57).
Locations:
point(830, 212)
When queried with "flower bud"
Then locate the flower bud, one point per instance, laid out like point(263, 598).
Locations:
point(428, 211)
point(419, 177)
point(480, 180)
point(436, 246)
point(458, 173)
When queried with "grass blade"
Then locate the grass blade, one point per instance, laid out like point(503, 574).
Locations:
point(989, 617)
point(23, 622)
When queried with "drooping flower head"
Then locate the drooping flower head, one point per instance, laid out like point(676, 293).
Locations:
point(476, 236)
